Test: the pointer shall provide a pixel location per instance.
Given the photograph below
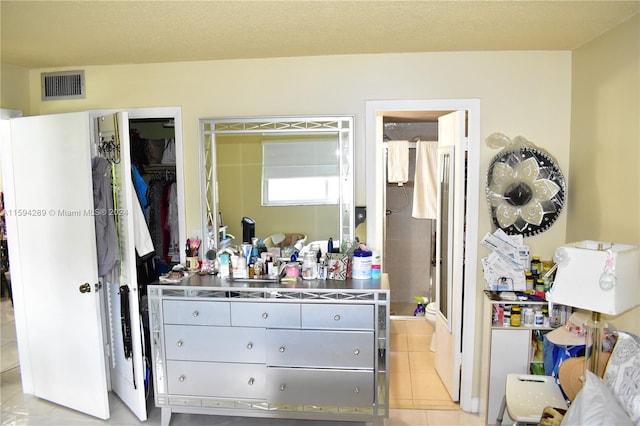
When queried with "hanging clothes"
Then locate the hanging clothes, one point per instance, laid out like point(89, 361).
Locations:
point(169, 154)
point(174, 236)
point(398, 162)
point(140, 185)
point(141, 237)
point(107, 245)
point(155, 202)
point(425, 191)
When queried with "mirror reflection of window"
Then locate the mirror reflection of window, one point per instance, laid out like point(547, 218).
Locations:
point(318, 204)
point(300, 172)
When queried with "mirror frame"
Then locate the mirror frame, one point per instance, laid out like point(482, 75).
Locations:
point(342, 125)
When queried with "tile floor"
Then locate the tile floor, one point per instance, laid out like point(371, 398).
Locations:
point(412, 387)
point(414, 383)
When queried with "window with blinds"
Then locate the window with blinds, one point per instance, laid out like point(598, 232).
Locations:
point(300, 172)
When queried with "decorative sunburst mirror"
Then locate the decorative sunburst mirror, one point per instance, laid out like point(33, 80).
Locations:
point(525, 188)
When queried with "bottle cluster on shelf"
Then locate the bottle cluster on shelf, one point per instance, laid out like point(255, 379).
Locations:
point(529, 314)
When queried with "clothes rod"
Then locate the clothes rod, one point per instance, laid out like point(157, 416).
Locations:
point(412, 145)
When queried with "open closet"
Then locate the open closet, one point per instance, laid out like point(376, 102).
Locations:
point(80, 324)
point(153, 167)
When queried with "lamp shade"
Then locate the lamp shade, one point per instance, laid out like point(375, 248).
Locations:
point(597, 276)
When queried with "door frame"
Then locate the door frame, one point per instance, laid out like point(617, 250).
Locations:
point(375, 110)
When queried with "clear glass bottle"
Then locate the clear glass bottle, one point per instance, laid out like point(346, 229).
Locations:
point(309, 266)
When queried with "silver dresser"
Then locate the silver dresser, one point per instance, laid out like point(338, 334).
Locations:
point(314, 350)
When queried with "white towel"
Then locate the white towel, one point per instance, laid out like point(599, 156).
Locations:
point(141, 236)
point(425, 191)
point(398, 162)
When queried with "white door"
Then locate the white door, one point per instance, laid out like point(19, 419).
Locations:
point(52, 247)
point(450, 246)
point(126, 368)
point(64, 338)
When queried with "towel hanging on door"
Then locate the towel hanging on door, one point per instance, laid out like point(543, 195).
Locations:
point(398, 162)
point(425, 191)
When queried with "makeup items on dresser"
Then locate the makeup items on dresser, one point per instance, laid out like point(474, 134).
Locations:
point(192, 249)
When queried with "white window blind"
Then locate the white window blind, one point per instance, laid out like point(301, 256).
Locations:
point(300, 172)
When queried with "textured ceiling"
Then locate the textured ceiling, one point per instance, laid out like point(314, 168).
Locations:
point(38, 34)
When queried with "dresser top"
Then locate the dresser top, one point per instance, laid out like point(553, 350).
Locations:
point(214, 282)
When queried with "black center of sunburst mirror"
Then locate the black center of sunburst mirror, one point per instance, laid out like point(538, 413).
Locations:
point(518, 194)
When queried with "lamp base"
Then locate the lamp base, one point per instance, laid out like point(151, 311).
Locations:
point(593, 344)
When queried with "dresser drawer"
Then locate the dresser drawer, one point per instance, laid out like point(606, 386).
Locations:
point(320, 387)
point(216, 379)
point(259, 314)
point(320, 348)
point(335, 316)
point(196, 312)
point(198, 343)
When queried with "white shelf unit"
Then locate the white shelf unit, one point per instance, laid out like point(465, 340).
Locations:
point(511, 351)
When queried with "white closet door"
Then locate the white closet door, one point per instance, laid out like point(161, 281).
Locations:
point(52, 247)
point(126, 373)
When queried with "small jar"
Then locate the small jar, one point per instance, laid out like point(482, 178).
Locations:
point(536, 265)
point(376, 272)
point(538, 318)
point(528, 317)
point(528, 278)
point(506, 315)
point(545, 316)
point(516, 316)
point(291, 270)
point(376, 269)
point(309, 266)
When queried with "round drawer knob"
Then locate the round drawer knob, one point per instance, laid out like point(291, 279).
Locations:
point(251, 381)
point(265, 315)
point(282, 387)
point(356, 390)
point(281, 349)
point(181, 378)
point(179, 343)
point(249, 345)
point(356, 352)
point(336, 318)
point(195, 314)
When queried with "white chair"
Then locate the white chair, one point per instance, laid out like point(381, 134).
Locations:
point(526, 396)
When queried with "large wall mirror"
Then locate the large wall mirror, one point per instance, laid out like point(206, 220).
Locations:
point(254, 167)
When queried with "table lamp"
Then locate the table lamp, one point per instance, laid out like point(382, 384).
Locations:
point(601, 277)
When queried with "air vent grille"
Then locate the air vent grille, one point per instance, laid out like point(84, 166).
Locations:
point(63, 85)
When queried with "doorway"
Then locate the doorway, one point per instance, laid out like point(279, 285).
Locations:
point(462, 339)
point(409, 245)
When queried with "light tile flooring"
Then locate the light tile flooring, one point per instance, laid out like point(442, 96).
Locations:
point(409, 365)
point(414, 383)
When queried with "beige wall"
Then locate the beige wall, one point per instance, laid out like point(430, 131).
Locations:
point(14, 91)
point(14, 88)
point(604, 183)
point(521, 93)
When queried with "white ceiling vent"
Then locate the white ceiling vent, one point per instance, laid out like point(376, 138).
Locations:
point(62, 85)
